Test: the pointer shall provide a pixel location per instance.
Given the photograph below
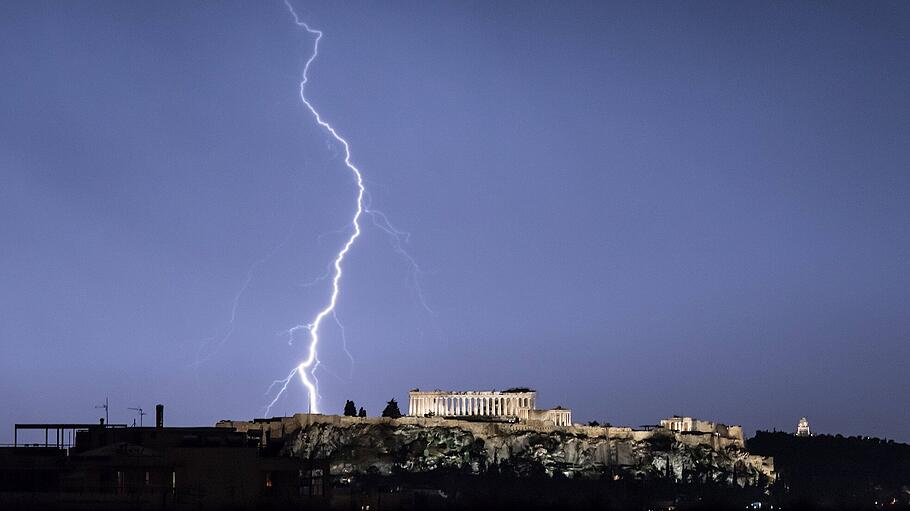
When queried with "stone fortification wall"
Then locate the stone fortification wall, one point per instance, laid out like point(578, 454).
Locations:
point(696, 426)
point(717, 436)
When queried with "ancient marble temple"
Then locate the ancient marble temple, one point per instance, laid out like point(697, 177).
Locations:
point(515, 404)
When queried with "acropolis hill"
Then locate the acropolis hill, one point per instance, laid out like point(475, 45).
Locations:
point(476, 432)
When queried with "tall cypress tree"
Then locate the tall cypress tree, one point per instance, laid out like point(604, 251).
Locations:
point(391, 410)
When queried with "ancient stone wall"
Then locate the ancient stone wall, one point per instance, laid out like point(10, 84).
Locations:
point(723, 437)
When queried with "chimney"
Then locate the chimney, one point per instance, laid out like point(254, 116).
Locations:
point(159, 416)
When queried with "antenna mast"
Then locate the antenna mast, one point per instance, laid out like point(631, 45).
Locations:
point(106, 406)
point(140, 413)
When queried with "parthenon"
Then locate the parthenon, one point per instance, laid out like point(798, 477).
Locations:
point(515, 404)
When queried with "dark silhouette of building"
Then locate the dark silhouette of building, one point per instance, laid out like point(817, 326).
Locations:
point(115, 467)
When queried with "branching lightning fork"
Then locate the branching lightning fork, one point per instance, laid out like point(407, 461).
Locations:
point(304, 369)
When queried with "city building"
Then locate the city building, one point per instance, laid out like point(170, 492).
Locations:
point(112, 467)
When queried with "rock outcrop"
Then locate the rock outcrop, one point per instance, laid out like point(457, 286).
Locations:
point(355, 446)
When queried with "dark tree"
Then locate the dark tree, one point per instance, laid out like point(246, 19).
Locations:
point(593, 423)
point(362, 412)
point(391, 410)
point(350, 409)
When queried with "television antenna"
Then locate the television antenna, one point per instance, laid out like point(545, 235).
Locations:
point(106, 406)
point(140, 413)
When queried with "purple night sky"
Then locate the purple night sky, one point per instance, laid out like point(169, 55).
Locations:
point(639, 210)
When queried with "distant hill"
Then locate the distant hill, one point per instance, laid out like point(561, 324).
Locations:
point(837, 472)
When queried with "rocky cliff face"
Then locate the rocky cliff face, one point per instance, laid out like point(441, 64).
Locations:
point(392, 447)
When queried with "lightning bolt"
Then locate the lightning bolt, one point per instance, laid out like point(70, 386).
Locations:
point(305, 369)
point(211, 345)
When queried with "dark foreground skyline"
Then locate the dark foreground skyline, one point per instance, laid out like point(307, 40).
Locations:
point(698, 208)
